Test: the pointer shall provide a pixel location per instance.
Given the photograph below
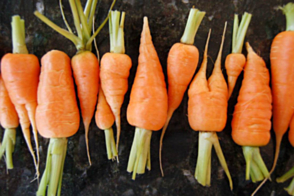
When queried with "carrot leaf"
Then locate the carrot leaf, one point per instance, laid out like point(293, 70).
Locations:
point(288, 10)
point(194, 20)
point(110, 144)
point(52, 175)
point(7, 146)
point(140, 152)
point(18, 36)
point(203, 166)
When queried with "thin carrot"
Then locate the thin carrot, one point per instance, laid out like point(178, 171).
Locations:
point(85, 64)
point(282, 74)
point(236, 61)
point(251, 122)
point(115, 69)
point(207, 113)
point(9, 121)
point(104, 119)
point(147, 109)
point(20, 73)
point(182, 62)
point(57, 116)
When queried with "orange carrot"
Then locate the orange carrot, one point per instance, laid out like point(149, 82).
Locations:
point(57, 116)
point(207, 113)
point(9, 121)
point(251, 122)
point(20, 73)
point(147, 109)
point(182, 62)
point(85, 64)
point(104, 120)
point(236, 61)
point(115, 69)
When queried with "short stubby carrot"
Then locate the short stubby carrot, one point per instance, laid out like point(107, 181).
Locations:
point(20, 72)
point(236, 61)
point(57, 116)
point(251, 122)
point(182, 62)
point(207, 113)
point(147, 109)
point(9, 121)
point(104, 120)
point(85, 64)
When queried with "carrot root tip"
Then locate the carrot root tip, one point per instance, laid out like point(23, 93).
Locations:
point(140, 152)
point(7, 146)
point(52, 175)
point(110, 145)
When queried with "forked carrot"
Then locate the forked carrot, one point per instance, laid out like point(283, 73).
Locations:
point(251, 122)
point(182, 62)
point(147, 109)
point(9, 121)
point(85, 64)
point(207, 113)
point(236, 61)
point(20, 72)
point(57, 116)
point(115, 69)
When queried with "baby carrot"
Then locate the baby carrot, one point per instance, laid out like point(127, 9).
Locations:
point(182, 62)
point(207, 113)
point(147, 109)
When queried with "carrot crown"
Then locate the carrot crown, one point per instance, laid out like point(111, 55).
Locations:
point(193, 23)
point(288, 10)
point(83, 21)
point(239, 32)
point(116, 32)
point(18, 35)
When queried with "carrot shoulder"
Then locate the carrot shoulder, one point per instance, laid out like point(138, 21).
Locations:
point(147, 109)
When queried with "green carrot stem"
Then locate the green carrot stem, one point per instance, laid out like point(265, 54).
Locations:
point(115, 15)
point(290, 188)
point(110, 144)
point(52, 175)
point(92, 12)
point(240, 32)
point(7, 146)
point(86, 31)
point(76, 18)
point(116, 32)
point(288, 10)
point(88, 8)
point(203, 166)
point(286, 176)
point(63, 17)
point(18, 36)
point(194, 20)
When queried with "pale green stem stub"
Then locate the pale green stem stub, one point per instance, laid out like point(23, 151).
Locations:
point(110, 144)
point(7, 146)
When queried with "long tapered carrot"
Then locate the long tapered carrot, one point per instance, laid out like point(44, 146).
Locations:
point(9, 121)
point(251, 122)
point(20, 72)
point(104, 119)
point(85, 64)
point(282, 74)
point(182, 62)
point(57, 116)
point(207, 113)
point(236, 61)
point(115, 69)
point(147, 109)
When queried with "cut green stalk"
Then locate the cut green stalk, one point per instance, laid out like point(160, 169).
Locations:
point(254, 164)
point(116, 32)
point(286, 176)
point(203, 166)
point(110, 144)
point(18, 36)
point(63, 17)
point(7, 146)
point(194, 20)
point(88, 8)
point(76, 18)
point(92, 12)
point(140, 152)
point(52, 175)
point(239, 32)
point(288, 10)
point(86, 31)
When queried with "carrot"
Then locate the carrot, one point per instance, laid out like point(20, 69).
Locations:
point(282, 73)
point(236, 61)
point(85, 64)
point(104, 119)
point(9, 121)
point(57, 116)
point(207, 113)
point(115, 69)
point(182, 62)
point(20, 73)
point(251, 122)
point(147, 109)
